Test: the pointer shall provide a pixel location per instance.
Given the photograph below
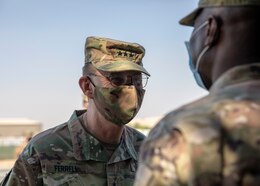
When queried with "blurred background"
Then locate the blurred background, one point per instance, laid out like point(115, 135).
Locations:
point(42, 54)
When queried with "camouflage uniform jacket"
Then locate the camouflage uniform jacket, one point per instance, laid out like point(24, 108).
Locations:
point(212, 141)
point(68, 155)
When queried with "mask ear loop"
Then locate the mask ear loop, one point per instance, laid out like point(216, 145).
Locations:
point(200, 56)
point(199, 28)
point(205, 49)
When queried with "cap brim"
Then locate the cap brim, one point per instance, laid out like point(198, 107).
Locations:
point(122, 66)
point(190, 18)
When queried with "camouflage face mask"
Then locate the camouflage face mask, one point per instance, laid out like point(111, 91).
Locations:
point(118, 104)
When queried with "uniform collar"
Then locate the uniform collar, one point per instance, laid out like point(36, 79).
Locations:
point(86, 147)
point(126, 149)
point(235, 75)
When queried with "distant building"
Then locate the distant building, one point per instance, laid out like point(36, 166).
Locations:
point(14, 135)
point(145, 124)
point(18, 127)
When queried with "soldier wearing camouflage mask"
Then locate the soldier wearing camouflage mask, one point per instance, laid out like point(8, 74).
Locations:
point(213, 141)
point(94, 147)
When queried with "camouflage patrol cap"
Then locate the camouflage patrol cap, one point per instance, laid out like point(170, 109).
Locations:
point(113, 55)
point(190, 18)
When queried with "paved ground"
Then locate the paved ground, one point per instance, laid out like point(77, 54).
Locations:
point(5, 166)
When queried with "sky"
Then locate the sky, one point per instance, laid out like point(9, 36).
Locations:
point(42, 53)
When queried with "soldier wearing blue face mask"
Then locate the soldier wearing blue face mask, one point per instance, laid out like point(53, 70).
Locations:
point(213, 141)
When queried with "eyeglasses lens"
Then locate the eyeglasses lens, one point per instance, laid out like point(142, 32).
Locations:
point(137, 80)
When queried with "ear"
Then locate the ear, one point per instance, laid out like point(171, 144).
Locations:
point(213, 31)
point(86, 87)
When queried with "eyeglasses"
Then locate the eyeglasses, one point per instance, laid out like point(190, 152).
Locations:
point(118, 79)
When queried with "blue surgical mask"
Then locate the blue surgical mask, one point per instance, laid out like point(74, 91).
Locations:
point(194, 68)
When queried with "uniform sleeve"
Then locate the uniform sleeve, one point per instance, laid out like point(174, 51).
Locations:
point(25, 172)
point(158, 159)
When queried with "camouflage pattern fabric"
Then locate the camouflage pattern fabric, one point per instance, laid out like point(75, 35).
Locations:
point(68, 155)
point(113, 55)
point(127, 97)
point(213, 141)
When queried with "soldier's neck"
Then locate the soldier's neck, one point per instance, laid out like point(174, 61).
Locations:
point(102, 129)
